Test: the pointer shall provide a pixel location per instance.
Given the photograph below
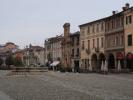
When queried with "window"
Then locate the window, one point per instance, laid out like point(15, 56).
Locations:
point(93, 30)
point(117, 22)
point(97, 42)
point(108, 26)
point(88, 44)
point(102, 42)
point(128, 20)
point(102, 26)
point(93, 43)
point(129, 40)
point(97, 27)
point(72, 41)
point(117, 40)
point(88, 29)
point(112, 40)
point(83, 45)
point(112, 24)
point(122, 21)
point(122, 40)
point(77, 52)
point(77, 40)
point(72, 52)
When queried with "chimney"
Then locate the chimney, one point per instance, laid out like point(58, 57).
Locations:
point(127, 5)
point(124, 8)
point(113, 12)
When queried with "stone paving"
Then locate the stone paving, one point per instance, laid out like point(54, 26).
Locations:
point(67, 86)
point(3, 96)
point(4, 72)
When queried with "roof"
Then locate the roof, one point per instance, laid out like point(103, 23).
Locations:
point(105, 18)
point(11, 43)
point(31, 48)
point(75, 34)
point(3, 50)
point(19, 51)
point(36, 48)
point(102, 19)
point(53, 39)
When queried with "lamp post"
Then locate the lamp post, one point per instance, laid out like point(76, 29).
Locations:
point(27, 60)
point(27, 57)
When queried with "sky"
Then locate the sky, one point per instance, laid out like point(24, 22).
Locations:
point(32, 21)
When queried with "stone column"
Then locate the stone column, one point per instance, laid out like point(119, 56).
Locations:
point(80, 65)
point(4, 61)
point(102, 66)
point(90, 67)
point(119, 66)
point(116, 64)
point(106, 66)
point(73, 66)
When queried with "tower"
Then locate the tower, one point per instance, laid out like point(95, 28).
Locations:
point(66, 27)
point(66, 47)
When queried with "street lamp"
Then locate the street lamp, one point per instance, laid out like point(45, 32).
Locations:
point(27, 56)
point(27, 60)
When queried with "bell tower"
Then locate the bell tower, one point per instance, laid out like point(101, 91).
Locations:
point(66, 61)
point(66, 27)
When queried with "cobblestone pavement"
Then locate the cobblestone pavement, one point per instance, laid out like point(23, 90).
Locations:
point(68, 86)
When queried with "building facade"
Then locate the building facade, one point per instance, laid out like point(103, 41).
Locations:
point(56, 48)
point(19, 55)
point(48, 50)
point(6, 50)
point(53, 49)
point(11, 47)
point(75, 51)
point(34, 56)
point(108, 40)
point(128, 29)
point(92, 39)
point(114, 40)
point(39, 52)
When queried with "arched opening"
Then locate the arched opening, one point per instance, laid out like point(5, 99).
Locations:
point(101, 59)
point(1, 61)
point(111, 61)
point(129, 60)
point(94, 61)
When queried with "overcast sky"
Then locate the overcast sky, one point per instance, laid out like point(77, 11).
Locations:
point(32, 21)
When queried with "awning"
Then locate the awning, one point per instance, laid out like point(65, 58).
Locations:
point(130, 56)
point(120, 56)
point(55, 63)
